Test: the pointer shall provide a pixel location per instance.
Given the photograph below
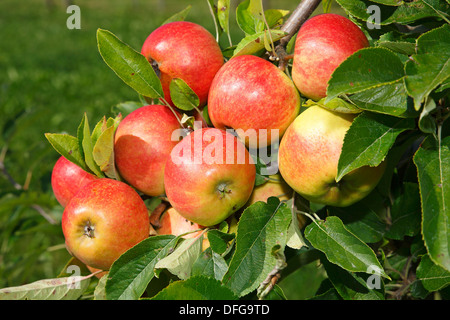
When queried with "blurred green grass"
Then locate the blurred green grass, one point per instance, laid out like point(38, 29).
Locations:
point(49, 77)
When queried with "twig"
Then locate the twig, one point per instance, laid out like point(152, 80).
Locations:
point(291, 27)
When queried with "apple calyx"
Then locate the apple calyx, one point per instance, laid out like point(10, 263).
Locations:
point(223, 190)
point(89, 230)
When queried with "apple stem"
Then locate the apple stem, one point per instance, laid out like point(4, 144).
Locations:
point(291, 27)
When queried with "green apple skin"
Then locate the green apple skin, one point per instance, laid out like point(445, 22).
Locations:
point(274, 187)
point(308, 159)
point(184, 50)
point(204, 191)
point(143, 142)
point(249, 92)
point(102, 221)
point(67, 178)
point(322, 44)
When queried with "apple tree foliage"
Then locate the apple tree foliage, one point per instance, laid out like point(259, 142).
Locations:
point(393, 244)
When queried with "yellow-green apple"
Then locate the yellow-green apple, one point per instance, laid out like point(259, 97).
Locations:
point(275, 186)
point(102, 221)
point(322, 44)
point(67, 179)
point(143, 142)
point(209, 176)
point(308, 159)
point(254, 97)
point(184, 50)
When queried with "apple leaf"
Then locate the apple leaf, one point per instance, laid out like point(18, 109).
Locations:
point(341, 246)
point(373, 77)
point(180, 261)
point(103, 152)
point(369, 139)
point(433, 171)
point(182, 95)
point(353, 286)
point(261, 227)
point(179, 16)
point(432, 276)
point(219, 240)
point(67, 146)
point(335, 104)
point(129, 65)
point(66, 288)
point(210, 264)
point(404, 13)
point(405, 213)
point(132, 271)
point(196, 288)
point(430, 66)
point(88, 147)
point(223, 15)
point(248, 18)
point(253, 43)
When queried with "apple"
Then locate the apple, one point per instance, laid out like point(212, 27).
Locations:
point(308, 159)
point(322, 44)
point(67, 178)
point(143, 142)
point(102, 221)
point(251, 94)
point(274, 187)
point(209, 176)
point(171, 222)
point(184, 50)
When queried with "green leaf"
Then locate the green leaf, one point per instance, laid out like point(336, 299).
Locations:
point(129, 65)
point(432, 160)
point(67, 288)
point(363, 218)
point(132, 271)
point(341, 246)
point(369, 139)
point(261, 227)
point(432, 276)
point(430, 66)
point(375, 78)
point(405, 13)
point(354, 286)
point(210, 264)
point(223, 14)
point(254, 43)
point(182, 95)
point(248, 17)
point(335, 104)
point(426, 122)
point(88, 148)
point(195, 288)
point(179, 16)
point(103, 153)
point(67, 146)
point(219, 240)
point(405, 213)
point(180, 261)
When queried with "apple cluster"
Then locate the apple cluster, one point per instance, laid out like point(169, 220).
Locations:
point(208, 174)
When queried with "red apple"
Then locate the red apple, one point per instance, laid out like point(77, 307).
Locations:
point(308, 159)
point(67, 179)
point(187, 51)
point(323, 42)
point(102, 221)
point(143, 142)
point(253, 95)
point(209, 176)
point(171, 222)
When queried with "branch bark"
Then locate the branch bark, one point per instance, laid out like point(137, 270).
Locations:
point(291, 27)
